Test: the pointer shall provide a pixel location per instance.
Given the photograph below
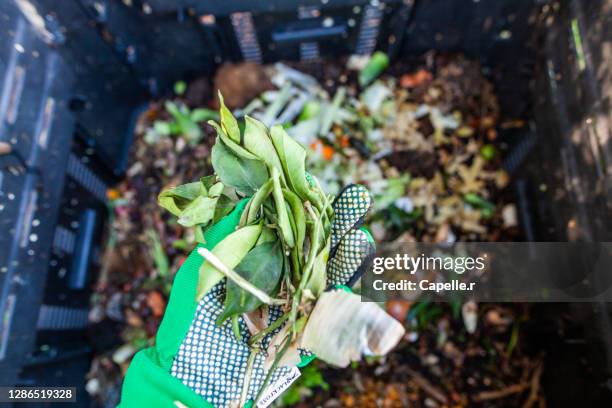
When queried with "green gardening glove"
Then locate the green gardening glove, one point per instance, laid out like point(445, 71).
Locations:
point(195, 362)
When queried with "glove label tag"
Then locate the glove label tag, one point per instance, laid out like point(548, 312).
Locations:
point(275, 390)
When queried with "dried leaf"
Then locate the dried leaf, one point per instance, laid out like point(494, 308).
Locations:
point(291, 356)
point(351, 328)
point(256, 320)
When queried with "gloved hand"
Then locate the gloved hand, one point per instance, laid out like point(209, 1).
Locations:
point(196, 363)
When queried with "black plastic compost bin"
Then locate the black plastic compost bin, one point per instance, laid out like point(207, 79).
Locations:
point(75, 73)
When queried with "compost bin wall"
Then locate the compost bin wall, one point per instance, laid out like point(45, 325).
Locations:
point(99, 61)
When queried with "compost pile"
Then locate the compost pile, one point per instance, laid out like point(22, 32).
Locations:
point(423, 137)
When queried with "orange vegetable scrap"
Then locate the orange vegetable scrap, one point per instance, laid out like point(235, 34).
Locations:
point(413, 80)
point(112, 194)
point(325, 150)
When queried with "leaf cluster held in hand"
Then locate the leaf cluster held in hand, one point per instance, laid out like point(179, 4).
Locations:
point(277, 254)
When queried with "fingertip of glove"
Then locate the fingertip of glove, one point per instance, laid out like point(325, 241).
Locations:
point(350, 208)
point(352, 257)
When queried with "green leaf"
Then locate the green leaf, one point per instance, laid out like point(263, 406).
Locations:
point(267, 235)
point(175, 129)
point(202, 114)
point(477, 201)
point(180, 87)
point(311, 109)
point(318, 278)
point(176, 199)
point(225, 205)
point(257, 201)
point(394, 189)
point(257, 141)
point(311, 378)
point(233, 146)
point(297, 209)
point(162, 127)
point(215, 190)
point(208, 181)
point(158, 254)
point(281, 210)
point(199, 212)
point(180, 244)
point(231, 250)
point(243, 174)
point(488, 152)
point(293, 161)
point(228, 121)
point(262, 267)
point(188, 127)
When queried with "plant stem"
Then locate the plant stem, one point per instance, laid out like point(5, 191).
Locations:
point(239, 280)
point(247, 376)
point(277, 359)
point(312, 254)
point(326, 207)
point(243, 217)
point(262, 333)
point(236, 328)
point(281, 210)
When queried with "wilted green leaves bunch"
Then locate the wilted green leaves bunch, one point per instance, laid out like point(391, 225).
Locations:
point(278, 253)
point(279, 250)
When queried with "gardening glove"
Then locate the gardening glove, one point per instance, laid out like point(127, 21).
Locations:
point(197, 363)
